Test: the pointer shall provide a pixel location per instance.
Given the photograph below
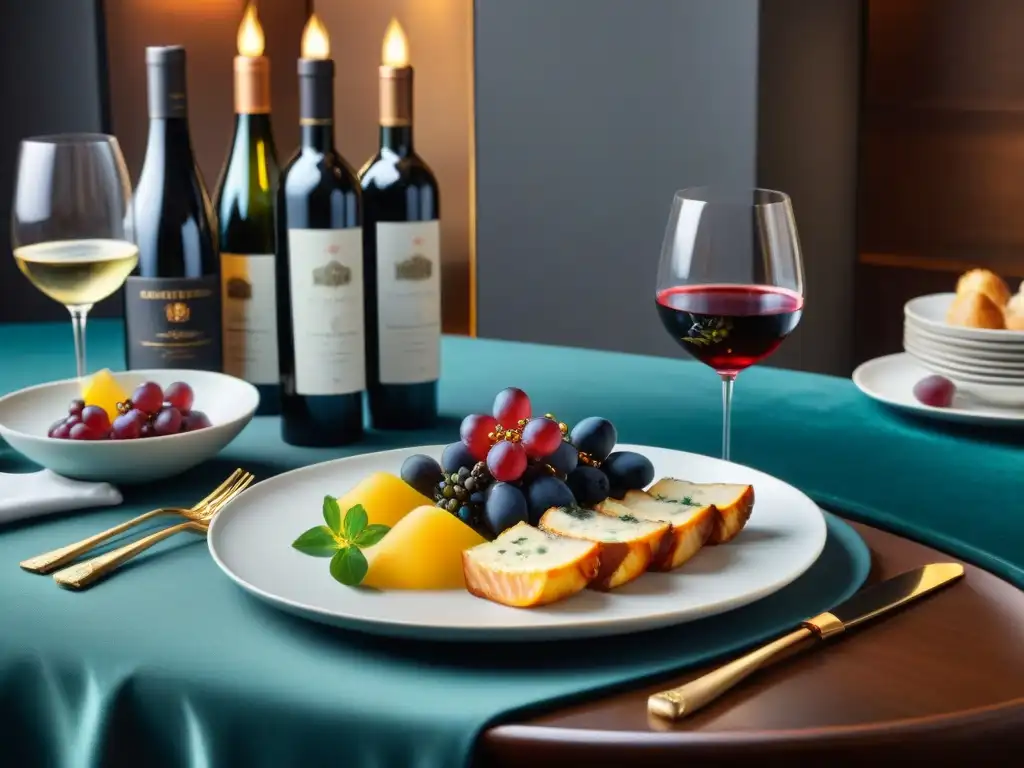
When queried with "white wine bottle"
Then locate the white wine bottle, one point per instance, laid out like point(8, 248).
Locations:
point(245, 201)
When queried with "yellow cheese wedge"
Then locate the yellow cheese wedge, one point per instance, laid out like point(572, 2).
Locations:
point(386, 498)
point(103, 390)
point(423, 551)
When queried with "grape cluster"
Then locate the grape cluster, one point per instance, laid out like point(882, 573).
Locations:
point(150, 412)
point(532, 463)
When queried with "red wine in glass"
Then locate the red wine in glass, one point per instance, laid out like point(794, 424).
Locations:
point(729, 327)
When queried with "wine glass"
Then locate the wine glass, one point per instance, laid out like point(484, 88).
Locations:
point(730, 280)
point(71, 224)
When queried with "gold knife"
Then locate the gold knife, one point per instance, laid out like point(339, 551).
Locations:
point(867, 604)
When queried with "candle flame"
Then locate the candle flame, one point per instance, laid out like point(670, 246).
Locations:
point(250, 33)
point(395, 51)
point(315, 43)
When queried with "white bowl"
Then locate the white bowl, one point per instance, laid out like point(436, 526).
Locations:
point(929, 312)
point(26, 416)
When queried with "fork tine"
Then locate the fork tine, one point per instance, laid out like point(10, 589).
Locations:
point(233, 477)
point(213, 507)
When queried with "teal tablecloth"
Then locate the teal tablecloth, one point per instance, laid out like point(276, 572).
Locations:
point(96, 678)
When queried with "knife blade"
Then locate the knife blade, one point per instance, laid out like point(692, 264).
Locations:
point(867, 604)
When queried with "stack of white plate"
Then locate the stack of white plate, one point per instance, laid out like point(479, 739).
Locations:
point(988, 362)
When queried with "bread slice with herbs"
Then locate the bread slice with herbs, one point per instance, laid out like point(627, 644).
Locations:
point(628, 544)
point(733, 501)
point(526, 567)
point(690, 526)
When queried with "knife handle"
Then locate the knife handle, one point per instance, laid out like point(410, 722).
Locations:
point(688, 698)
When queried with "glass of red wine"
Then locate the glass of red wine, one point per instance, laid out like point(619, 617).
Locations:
point(731, 279)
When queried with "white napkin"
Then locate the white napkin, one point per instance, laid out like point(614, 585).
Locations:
point(41, 493)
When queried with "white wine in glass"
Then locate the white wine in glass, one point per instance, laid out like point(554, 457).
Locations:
point(70, 225)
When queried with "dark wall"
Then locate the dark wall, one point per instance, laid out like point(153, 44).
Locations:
point(51, 82)
point(591, 113)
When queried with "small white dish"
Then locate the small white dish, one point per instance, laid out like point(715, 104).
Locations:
point(890, 380)
point(930, 312)
point(250, 540)
point(26, 416)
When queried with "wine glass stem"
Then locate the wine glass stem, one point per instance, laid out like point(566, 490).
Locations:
point(727, 381)
point(78, 315)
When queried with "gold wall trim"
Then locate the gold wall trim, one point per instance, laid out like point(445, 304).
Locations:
point(936, 264)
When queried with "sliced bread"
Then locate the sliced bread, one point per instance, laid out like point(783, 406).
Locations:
point(734, 503)
point(690, 525)
point(526, 567)
point(628, 544)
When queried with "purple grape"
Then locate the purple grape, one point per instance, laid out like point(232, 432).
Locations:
point(62, 432)
point(936, 391)
point(148, 397)
point(147, 430)
point(167, 422)
point(180, 395)
point(195, 420)
point(128, 426)
point(70, 421)
point(76, 407)
point(95, 418)
point(53, 427)
point(82, 431)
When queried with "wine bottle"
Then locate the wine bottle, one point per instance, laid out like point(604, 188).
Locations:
point(245, 201)
point(320, 270)
point(172, 299)
point(401, 242)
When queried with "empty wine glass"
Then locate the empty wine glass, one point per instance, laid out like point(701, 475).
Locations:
point(70, 225)
point(730, 281)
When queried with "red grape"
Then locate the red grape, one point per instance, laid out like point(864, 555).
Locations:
point(53, 427)
point(506, 461)
point(147, 430)
point(167, 422)
point(95, 418)
point(511, 406)
point(70, 421)
point(541, 438)
point(82, 431)
point(75, 409)
point(128, 426)
point(936, 391)
point(62, 432)
point(194, 420)
point(180, 395)
point(474, 433)
point(148, 397)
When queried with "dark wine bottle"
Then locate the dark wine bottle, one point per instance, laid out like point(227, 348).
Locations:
point(172, 299)
point(320, 275)
point(402, 260)
point(245, 201)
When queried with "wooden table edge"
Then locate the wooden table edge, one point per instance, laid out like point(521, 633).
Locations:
point(998, 726)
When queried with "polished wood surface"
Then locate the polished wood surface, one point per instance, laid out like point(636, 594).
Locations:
point(943, 680)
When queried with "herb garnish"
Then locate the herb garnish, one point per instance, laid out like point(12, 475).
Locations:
point(628, 519)
point(686, 500)
point(520, 540)
point(578, 512)
point(342, 540)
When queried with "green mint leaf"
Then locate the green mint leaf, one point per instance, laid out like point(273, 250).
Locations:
point(332, 514)
point(348, 566)
point(370, 535)
point(318, 542)
point(355, 522)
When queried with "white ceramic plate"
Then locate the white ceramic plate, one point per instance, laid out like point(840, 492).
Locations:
point(982, 349)
point(981, 359)
point(251, 542)
point(930, 312)
point(891, 379)
point(1004, 373)
point(26, 416)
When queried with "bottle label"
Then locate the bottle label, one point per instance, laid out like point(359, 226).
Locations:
point(173, 322)
point(249, 304)
point(409, 301)
point(325, 277)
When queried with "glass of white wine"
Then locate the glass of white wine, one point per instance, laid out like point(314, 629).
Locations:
point(71, 226)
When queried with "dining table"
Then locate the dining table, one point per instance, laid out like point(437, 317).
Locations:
point(167, 664)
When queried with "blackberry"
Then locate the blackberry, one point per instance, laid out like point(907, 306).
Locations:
point(462, 492)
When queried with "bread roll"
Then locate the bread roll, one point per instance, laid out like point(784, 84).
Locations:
point(975, 310)
point(986, 282)
point(1015, 321)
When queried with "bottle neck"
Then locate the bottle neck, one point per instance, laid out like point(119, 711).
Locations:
point(253, 127)
point(396, 138)
point(168, 136)
point(319, 137)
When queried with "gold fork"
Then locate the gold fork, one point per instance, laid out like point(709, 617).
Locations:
point(85, 573)
point(51, 561)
